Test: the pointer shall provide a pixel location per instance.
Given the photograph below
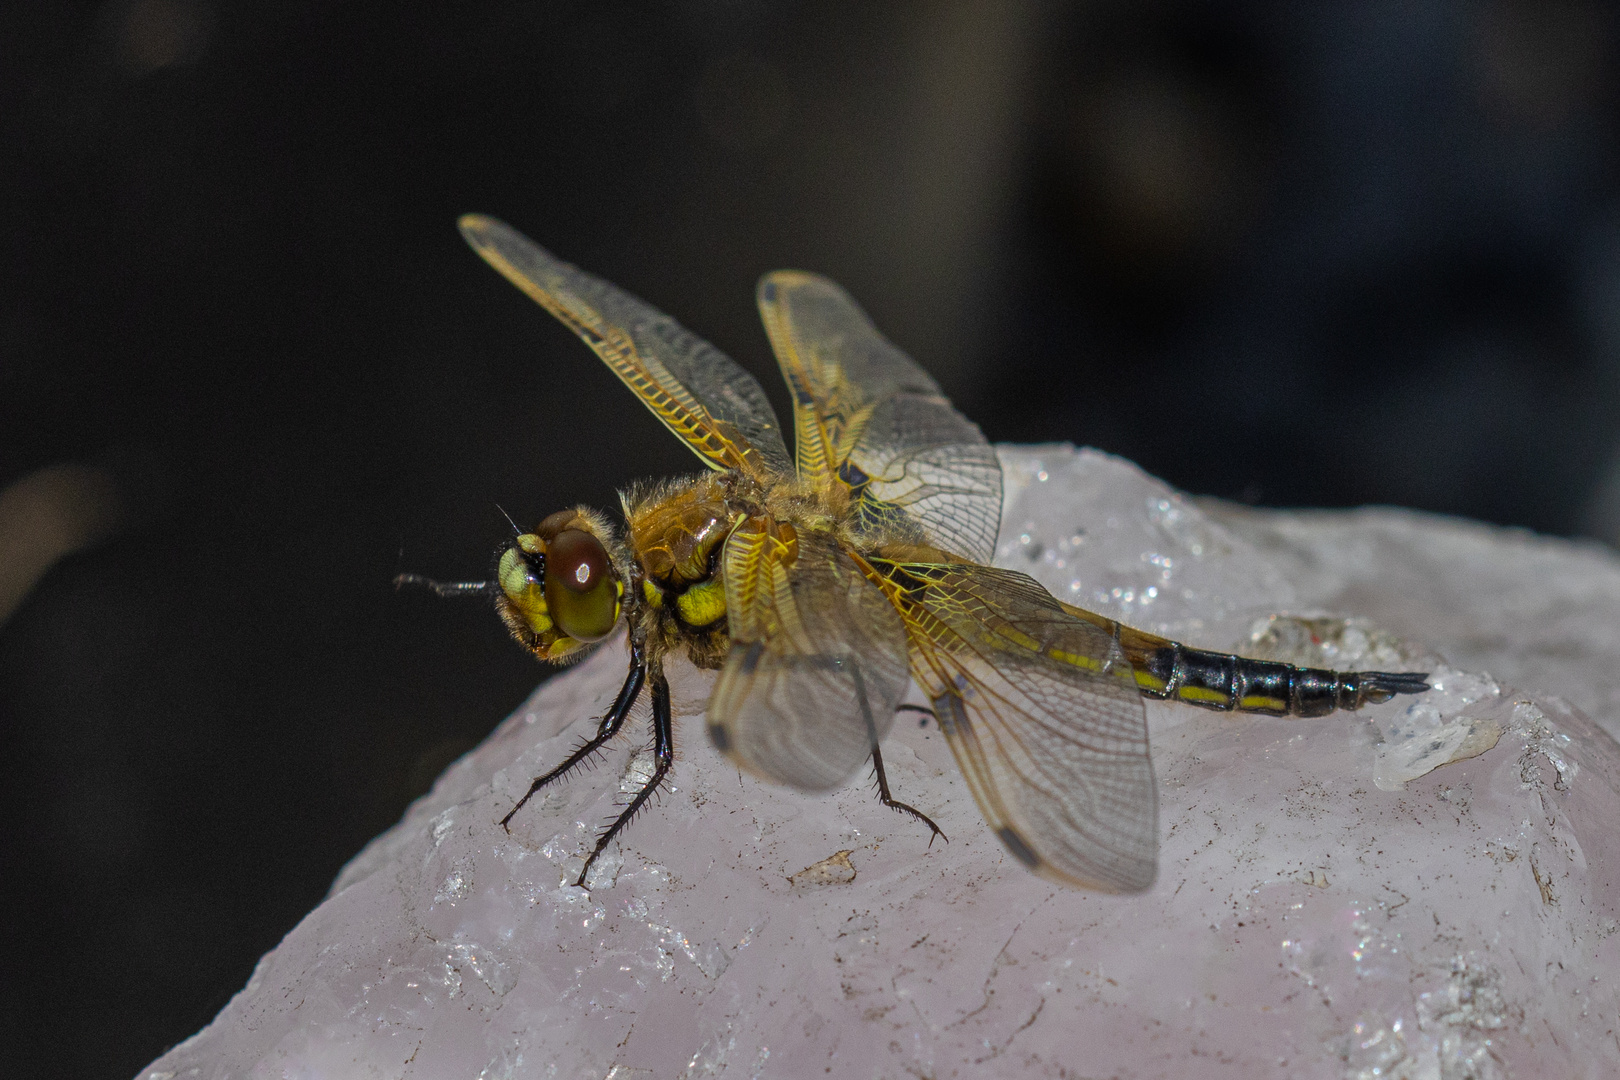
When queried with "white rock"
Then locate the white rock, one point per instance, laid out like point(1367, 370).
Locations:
point(1429, 889)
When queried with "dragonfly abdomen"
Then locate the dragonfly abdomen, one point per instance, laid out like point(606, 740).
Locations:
point(1236, 683)
point(1168, 669)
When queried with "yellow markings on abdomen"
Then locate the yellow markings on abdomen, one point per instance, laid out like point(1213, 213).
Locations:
point(1088, 662)
point(702, 604)
point(1257, 702)
point(1019, 638)
point(1198, 693)
point(1149, 681)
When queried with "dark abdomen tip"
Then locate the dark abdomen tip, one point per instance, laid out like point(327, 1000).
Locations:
point(1379, 686)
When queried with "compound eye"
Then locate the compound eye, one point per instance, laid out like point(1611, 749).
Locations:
point(581, 586)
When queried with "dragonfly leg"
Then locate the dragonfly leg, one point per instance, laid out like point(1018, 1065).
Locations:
point(895, 804)
point(608, 727)
point(926, 712)
point(663, 756)
point(445, 588)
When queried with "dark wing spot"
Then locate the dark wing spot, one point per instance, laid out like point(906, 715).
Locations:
point(851, 474)
point(1016, 845)
point(952, 717)
point(720, 737)
point(750, 659)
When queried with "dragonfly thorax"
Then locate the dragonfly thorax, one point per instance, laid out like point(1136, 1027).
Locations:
point(677, 536)
point(676, 532)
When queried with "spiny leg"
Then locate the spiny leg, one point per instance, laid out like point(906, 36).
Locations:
point(610, 724)
point(895, 804)
point(663, 756)
point(445, 588)
point(877, 760)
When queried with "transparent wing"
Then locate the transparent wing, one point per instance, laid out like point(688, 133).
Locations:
point(1042, 712)
point(817, 662)
point(866, 415)
point(699, 393)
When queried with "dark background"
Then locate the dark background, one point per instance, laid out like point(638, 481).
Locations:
point(1295, 254)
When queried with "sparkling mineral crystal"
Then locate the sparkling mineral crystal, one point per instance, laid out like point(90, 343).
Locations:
point(1428, 889)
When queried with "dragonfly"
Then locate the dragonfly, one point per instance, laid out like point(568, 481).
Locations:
point(821, 585)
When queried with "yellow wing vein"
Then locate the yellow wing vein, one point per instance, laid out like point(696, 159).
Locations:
point(743, 436)
point(1040, 715)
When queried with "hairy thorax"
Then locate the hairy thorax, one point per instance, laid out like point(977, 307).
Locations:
point(677, 533)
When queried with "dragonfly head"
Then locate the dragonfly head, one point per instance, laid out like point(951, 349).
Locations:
point(561, 589)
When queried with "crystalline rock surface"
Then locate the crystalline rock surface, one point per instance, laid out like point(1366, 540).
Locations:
point(1428, 889)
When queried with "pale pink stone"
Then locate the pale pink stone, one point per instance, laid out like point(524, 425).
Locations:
point(1325, 907)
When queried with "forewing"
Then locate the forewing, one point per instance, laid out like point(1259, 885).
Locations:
point(867, 416)
point(699, 393)
point(1042, 712)
point(817, 662)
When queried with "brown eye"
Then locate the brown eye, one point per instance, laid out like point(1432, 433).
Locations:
point(555, 523)
point(580, 588)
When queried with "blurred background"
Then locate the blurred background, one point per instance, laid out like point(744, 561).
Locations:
point(1290, 254)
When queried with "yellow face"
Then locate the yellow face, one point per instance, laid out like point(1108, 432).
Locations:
point(560, 589)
